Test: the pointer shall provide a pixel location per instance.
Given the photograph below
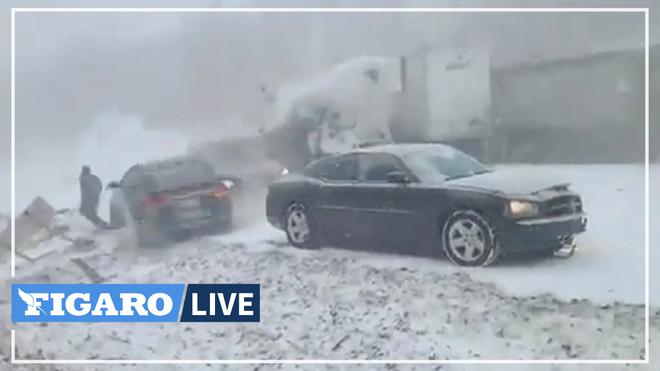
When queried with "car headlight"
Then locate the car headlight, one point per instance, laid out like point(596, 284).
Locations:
point(284, 171)
point(520, 209)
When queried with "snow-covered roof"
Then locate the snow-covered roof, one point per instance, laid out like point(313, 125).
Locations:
point(405, 149)
point(341, 86)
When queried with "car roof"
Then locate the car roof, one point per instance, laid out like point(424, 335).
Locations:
point(176, 172)
point(169, 163)
point(404, 149)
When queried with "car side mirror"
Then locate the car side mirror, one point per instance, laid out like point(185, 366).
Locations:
point(397, 177)
point(113, 185)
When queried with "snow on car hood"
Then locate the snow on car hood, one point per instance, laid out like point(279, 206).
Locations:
point(511, 182)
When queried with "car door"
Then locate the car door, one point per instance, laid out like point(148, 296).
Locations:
point(386, 218)
point(133, 191)
point(338, 176)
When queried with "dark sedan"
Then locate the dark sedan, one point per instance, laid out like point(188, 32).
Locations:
point(423, 199)
point(170, 199)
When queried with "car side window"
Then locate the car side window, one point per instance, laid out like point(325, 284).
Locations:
point(374, 167)
point(338, 169)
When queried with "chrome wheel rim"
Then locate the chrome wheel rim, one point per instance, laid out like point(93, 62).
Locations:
point(466, 240)
point(297, 226)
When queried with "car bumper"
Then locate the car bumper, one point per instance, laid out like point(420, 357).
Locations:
point(540, 234)
point(197, 219)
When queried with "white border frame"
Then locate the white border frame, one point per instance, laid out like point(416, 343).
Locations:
point(645, 11)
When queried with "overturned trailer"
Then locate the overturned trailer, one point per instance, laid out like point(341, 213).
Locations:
point(445, 97)
point(347, 106)
point(429, 96)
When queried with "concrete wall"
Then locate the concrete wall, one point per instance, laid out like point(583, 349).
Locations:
point(588, 109)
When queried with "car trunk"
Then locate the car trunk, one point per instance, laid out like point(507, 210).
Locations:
point(190, 204)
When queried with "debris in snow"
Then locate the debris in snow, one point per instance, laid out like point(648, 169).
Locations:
point(92, 274)
point(35, 218)
point(332, 292)
point(340, 342)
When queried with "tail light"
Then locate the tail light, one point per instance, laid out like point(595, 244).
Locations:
point(154, 201)
point(220, 191)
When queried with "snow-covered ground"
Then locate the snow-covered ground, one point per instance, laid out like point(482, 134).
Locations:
point(330, 304)
point(338, 304)
point(610, 263)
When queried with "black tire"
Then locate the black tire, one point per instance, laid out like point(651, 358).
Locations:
point(226, 221)
point(148, 236)
point(225, 225)
point(298, 238)
point(479, 237)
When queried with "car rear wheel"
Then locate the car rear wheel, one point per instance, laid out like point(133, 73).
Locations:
point(225, 225)
point(468, 239)
point(147, 235)
point(300, 227)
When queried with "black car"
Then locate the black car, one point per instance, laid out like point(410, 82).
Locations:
point(170, 199)
point(423, 199)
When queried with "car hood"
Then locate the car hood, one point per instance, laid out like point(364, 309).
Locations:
point(510, 182)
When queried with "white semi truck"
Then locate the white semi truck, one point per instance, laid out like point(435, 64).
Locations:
point(431, 96)
point(349, 104)
point(445, 97)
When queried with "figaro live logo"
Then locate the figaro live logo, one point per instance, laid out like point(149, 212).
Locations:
point(135, 303)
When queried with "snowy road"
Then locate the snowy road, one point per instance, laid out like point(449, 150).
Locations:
point(335, 304)
point(338, 304)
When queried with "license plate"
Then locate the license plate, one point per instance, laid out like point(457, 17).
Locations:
point(189, 204)
point(194, 214)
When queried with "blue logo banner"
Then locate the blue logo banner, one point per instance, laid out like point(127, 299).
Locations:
point(96, 302)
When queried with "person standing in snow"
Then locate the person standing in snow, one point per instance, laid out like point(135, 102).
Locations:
point(90, 195)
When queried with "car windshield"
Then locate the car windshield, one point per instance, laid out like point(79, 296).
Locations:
point(443, 163)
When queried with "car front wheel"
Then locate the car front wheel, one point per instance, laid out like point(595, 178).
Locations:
point(468, 239)
point(300, 227)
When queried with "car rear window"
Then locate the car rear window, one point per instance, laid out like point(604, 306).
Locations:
point(341, 168)
point(184, 174)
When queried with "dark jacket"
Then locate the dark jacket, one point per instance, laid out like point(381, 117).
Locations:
point(90, 192)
